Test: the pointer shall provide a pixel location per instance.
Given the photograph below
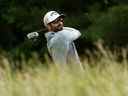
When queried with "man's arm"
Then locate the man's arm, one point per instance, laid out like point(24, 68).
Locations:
point(71, 33)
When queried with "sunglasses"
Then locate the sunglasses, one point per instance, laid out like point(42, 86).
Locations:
point(58, 20)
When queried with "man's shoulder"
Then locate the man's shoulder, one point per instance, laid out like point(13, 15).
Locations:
point(49, 35)
point(71, 33)
point(69, 28)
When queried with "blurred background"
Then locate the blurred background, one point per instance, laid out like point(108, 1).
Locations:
point(106, 20)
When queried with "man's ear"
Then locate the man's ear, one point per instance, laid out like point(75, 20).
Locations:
point(49, 27)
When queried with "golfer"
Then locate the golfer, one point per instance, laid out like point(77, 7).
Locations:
point(60, 39)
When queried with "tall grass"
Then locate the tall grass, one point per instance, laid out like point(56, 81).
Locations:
point(107, 77)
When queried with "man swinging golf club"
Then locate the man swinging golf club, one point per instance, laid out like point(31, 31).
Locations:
point(60, 39)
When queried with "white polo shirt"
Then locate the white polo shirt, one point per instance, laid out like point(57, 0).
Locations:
point(61, 46)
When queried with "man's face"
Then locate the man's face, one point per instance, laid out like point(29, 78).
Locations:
point(56, 25)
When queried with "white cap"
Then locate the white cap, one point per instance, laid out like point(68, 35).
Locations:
point(51, 16)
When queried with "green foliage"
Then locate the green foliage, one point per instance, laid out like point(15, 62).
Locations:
point(54, 4)
point(121, 1)
point(24, 19)
point(80, 21)
point(110, 26)
point(19, 17)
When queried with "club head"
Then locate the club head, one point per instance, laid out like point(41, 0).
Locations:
point(32, 35)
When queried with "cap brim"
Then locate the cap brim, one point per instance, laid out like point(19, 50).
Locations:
point(62, 15)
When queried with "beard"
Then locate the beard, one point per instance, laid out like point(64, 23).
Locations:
point(59, 28)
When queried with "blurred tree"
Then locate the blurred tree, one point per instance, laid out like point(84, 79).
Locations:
point(19, 17)
point(120, 1)
point(110, 26)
